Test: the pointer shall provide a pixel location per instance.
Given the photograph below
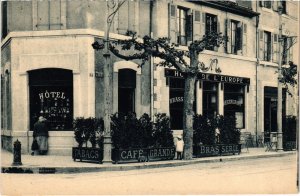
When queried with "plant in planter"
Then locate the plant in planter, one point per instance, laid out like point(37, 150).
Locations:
point(79, 131)
point(88, 129)
point(162, 134)
point(204, 130)
point(229, 134)
point(289, 132)
point(215, 136)
point(141, 138)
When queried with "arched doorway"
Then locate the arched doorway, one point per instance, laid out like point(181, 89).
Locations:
point(126, 91)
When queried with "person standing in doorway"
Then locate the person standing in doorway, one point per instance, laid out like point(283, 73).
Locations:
point(41, 134)
point(179, 147)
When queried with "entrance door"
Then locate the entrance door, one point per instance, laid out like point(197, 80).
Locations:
point(270, 110)
point(270, 120)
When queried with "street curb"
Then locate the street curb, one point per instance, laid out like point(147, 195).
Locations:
point(120, 167)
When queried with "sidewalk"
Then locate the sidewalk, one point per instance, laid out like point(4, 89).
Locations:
point(65, 164)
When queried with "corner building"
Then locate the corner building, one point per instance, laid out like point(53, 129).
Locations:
point(49, 67)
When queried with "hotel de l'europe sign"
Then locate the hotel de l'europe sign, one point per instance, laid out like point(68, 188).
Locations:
point(210, 77)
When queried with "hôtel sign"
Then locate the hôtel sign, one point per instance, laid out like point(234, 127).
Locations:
point(210, 77)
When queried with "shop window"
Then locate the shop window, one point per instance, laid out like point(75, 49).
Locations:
point(234, 103)
point(51, 96)
point(126, 91)
point(176, 102)
point(210, 98)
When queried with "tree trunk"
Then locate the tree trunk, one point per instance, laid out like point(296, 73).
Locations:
point(188, 114)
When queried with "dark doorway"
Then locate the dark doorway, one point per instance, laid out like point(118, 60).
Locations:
point(126, 91)
point(176, 102)
point(270, 110)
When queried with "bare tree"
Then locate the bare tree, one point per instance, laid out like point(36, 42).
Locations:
point(171, 56)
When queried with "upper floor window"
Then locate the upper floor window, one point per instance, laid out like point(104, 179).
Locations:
point(266, 4)
point(267, 46)
point(4, 19)
point(283, 4)
point(181, 26)
point(211, 25)
point(236, 33)
point(235, 37)
point(287, 50)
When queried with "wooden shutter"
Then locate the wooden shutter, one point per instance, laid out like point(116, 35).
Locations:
point(261, 45)
point(228, 35)
point(203, 24)
point(218, 31)
point(172, 23)
point(239, 36)
point(43, 15)
point(244, 39)
point(55, 21)
point(131, 16)
point(197, 25)
point(275, 48)
point(123, 18)
point(290, 51)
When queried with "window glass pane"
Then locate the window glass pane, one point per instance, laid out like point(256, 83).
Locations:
point(234, 103)
point(126, 91)
point(51, 96)
point(210, 98)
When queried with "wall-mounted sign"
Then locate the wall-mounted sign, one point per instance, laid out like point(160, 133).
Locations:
point(176, 100)
point(232, 102)
point(210, 77)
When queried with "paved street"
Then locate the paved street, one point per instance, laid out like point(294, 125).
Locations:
point(265, 175)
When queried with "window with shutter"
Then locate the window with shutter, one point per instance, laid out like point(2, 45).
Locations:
point(211, 25)
point(182, 24)
point(267, 46)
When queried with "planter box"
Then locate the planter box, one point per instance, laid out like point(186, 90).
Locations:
point(88, 154)
point(216, 150)
point(289, 145)
point(143, 154)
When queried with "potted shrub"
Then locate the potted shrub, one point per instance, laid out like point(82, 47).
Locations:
point(88, 130)
point(215, 136)
point(140, 139)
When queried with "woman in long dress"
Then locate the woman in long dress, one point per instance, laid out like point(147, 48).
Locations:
point(41, 134)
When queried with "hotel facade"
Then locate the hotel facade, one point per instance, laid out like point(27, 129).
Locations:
point(49, 68)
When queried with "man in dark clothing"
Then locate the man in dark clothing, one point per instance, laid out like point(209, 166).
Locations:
point(41, 134)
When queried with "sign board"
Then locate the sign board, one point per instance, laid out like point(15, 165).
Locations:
point(143, 154)
point(215, 150)
point(210, 77)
